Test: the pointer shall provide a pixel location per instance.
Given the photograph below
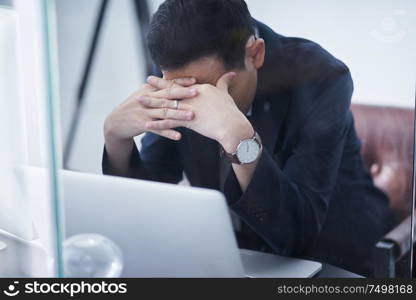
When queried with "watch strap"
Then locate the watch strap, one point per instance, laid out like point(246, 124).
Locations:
point(232, 157)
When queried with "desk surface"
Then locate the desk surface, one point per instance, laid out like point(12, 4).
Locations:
point(330, 271)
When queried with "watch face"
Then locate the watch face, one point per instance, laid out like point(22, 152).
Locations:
point(248, 151)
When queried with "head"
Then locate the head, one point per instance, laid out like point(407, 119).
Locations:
point(205, 39)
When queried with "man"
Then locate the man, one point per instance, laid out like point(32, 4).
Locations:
point(263, 118)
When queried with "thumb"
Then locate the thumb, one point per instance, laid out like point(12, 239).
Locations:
point(225, 80)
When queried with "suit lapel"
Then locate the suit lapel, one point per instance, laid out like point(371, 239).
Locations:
point(269, 113)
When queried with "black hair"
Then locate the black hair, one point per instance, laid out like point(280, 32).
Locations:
point(182, 31)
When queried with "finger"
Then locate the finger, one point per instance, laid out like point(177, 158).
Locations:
point(147, 88)
point(161, 83)
point(165, 124)
point(158, 102)
point(225, 80)
point(168, 133)
point(185, 82)
point(167, 113)
point(175, 92)
point(163, 103)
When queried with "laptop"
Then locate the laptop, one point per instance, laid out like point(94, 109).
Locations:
point(166, 230)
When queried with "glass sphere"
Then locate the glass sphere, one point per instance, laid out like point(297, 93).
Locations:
point(91, 255)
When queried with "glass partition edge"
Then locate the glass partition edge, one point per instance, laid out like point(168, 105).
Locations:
point(413, 205)
point(47, 8)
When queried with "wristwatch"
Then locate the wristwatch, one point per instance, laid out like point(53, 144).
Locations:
point(248, 151)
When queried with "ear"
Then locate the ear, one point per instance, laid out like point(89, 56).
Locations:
point(255, 52)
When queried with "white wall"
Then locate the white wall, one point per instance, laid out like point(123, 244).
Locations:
point(377, 40)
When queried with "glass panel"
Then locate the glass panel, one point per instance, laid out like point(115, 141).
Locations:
point(28, 192)
point(328, 86)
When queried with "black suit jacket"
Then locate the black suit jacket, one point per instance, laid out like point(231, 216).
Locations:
point(310, 195)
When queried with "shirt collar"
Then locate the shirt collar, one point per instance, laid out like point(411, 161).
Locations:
point(248, 114)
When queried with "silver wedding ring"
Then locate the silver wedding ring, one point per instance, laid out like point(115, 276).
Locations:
point(175, 104)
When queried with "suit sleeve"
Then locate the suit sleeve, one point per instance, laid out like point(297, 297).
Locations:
point(287, 207)
point(158, 160)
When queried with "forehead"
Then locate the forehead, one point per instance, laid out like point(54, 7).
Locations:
point(204, 70)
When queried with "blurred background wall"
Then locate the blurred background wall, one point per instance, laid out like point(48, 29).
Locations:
point(376, 39)
point(116, 72)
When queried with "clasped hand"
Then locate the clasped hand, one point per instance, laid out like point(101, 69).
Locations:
point(160, 106)
point(213, 111)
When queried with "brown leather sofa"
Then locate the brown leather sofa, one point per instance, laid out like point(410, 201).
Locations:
point(387, 136)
